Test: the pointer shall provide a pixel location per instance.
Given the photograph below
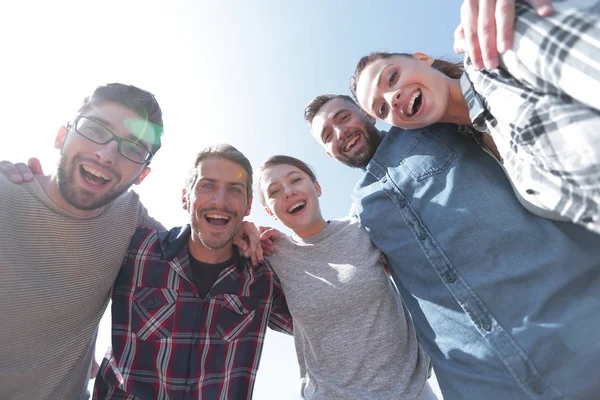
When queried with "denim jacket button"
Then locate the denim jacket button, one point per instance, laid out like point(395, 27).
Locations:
point(486, 326)
point(402, 203)
point(451, 278)
point(422, 236)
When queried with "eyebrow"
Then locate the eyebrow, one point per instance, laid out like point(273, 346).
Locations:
point(325, 126)
point(286, 175)
point(378, 82)
point(231, 183)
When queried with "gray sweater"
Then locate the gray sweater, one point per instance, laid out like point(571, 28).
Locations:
point(354, 338)
point(56, 275)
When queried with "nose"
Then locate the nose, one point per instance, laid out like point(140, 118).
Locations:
point(289, 191)
point(108, 153)
point(340, 131)
point(219, 197)
point(393, 99)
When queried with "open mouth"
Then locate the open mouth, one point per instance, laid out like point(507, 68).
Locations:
point(296, 208)
point(414, 103)
point(351, 143)
point(217, 220)
point(93, 176)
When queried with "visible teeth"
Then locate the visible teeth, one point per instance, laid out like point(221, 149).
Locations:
point(351, 142)
point(295, 206)
point(94, 172)
point(411, 102)
point(217, 216)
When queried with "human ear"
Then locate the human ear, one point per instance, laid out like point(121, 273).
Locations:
point(61, 136)
point(318, 188)
point(142, 176)
point(249, 207)
point(268, 210)
point(184, 199)
point(423, 58)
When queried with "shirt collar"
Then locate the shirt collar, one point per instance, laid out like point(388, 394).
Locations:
point(174, 241)
point(477, 109)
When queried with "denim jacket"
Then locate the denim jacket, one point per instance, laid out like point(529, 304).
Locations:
point(507, 304)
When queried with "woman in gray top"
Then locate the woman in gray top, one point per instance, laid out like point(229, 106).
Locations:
point(354, 338)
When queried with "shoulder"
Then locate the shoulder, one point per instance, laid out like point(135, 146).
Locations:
point(144, 237)
point(129, 200)
point(349, 226)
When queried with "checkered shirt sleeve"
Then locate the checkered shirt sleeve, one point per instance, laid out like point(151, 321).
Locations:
point(542, 109)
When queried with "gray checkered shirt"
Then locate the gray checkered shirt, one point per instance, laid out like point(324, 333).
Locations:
point(542, 109)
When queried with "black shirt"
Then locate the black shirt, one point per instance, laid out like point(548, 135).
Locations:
point(205, 275)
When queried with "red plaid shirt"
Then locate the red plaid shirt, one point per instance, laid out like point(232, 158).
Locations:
point(168, 343)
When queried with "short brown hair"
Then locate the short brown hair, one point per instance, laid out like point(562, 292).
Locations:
point(226, 151)
point(137, 100)
point(318, 102)
point(451, 69)
point(282, 160)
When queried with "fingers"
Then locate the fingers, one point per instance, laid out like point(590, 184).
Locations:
point(469, 20)
point(460, 46)
point(543, 8)
point(505, 21)
point(35, 166)
point(16, 173)
point(251, 237)
point(486, 32)
point(267, 237)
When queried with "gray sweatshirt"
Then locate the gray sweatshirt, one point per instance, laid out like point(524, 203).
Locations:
point(354, 338)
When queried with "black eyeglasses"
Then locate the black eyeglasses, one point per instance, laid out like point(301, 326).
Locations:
point(100, 134)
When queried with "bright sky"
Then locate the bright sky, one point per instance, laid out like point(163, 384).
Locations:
point(238, 72)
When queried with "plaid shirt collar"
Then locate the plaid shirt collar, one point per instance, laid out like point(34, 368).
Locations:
point(174, 242)
point(477, 111)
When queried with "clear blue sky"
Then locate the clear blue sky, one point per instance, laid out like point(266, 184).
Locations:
point(239, 72)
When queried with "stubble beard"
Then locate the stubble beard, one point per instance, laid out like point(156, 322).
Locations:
point(79, 199)
point(372, 140)
point(213, 243)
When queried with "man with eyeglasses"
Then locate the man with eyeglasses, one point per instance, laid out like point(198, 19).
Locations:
point(63, 239)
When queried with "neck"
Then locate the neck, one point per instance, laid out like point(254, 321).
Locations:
point(457, 111)
point(50, 186)
point(206, 255)
point(313, 229)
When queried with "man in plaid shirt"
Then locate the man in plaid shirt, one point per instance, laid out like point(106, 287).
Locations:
point(542, 109)
point(189, 313)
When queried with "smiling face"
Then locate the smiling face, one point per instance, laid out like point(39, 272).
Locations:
point(91, 175)
point(217, 203)
point(347, 134)
point(292, 197)
point(404, 91)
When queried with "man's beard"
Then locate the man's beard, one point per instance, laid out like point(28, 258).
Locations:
point(361, 160)
point(214, 243)
point(82, 200)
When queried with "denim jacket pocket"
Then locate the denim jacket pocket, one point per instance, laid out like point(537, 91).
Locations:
point(236, 317)
point(428, 155)
point(153, 313)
